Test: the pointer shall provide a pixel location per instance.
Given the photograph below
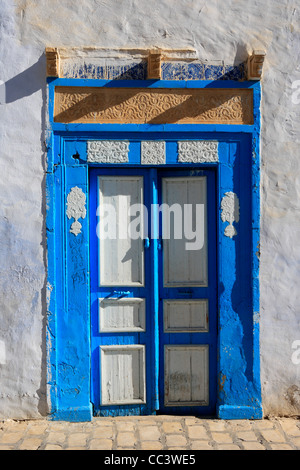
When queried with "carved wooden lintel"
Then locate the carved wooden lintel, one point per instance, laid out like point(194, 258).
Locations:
point(154, 65)
point(255, 65)
point(53, 61)
point(153, 106)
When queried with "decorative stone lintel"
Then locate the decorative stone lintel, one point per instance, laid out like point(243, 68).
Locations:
point(107, 151)
point(255, 65)
point(153, 152)
point(198, 151)
point(52, 62)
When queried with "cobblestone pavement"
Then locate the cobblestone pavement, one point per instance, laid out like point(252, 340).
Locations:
point(152, 433)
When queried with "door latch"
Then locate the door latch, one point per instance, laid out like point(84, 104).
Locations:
point(120, 293)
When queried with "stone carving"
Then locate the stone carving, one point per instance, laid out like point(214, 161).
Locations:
point(255, 65)
point(230, 207)
point(76, 200)
point(52, 62)
point(198, 151)
point(107, 151)
point(154, 65)
point(153, 152)
point(155, 106)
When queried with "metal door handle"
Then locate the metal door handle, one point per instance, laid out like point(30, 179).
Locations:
point(121, 293)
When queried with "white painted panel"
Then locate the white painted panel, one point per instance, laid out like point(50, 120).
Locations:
point(184, 266)
point(122, 374)
point(186, 375)
point(185, 315)
point(124, 314)
point(121, 256)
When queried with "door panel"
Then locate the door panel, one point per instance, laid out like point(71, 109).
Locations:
point(185, 316)
point(187, 291)
point(121, 302)
point(185, 264)
point(123, 374)
point(122, 315)
point(122, 257)
point(186, 375)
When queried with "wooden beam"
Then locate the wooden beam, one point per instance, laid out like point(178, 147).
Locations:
point(255, 65)
point(154, 64)
point(52, 61)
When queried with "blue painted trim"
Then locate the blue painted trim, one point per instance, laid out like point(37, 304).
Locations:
point(75, 415)
point(154, 282)
point(239, 412)
point(51, 332)
point(77, 82)
point(65, 129)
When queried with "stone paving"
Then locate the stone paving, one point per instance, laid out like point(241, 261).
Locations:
point(152, 433)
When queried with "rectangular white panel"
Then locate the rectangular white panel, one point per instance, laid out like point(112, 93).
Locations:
point(185, 315)
point(121, 254)
point(122, 374)
point(121, 315)
point(186, 375)
point(185, 236)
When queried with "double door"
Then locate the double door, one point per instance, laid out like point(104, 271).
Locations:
point(153, 291)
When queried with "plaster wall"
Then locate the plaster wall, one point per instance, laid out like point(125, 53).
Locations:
point(218, 31)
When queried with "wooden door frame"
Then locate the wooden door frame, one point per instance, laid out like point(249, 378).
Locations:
point(68, 285)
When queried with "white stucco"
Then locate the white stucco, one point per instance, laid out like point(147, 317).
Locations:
point(217, 31)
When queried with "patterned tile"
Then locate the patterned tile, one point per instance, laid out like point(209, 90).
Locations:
point(234, 72)
point(179, 71)
point(213, 72)
point(170, 71)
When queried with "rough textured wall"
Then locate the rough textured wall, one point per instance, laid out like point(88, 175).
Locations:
point(218, 30)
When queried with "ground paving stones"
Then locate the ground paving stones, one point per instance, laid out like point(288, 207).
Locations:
point(152, 433)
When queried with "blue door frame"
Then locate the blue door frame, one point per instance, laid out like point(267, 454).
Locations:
point(68, 287)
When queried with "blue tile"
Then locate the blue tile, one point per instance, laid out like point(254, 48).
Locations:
point(213, 72)
point(235, 72)
point(194, 72)
point(170, 71)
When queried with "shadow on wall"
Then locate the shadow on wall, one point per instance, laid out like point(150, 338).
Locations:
point(25, 83)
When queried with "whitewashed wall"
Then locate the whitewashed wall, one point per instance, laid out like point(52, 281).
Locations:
point(218, 30)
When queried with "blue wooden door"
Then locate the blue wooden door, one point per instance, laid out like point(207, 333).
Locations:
point(122, 338)
point(187, 292)
point(153, 291)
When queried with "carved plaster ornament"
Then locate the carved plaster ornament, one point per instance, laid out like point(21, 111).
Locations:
point(230, 207)
point(107, 151)
point(154, 106)
point(198, 151)
point(76, 200)
point(153, 152)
